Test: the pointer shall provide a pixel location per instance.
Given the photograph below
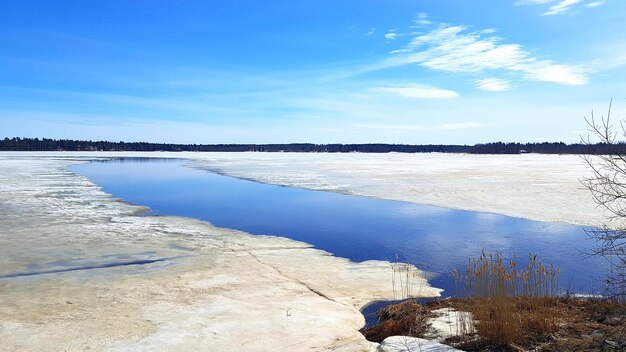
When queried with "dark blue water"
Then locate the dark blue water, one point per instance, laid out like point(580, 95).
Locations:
point(359, 228)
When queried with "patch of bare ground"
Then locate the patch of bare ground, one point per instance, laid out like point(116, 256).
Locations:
point(555, 324)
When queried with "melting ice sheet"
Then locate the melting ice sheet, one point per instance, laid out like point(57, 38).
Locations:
point(359, 228)
point(107, 261)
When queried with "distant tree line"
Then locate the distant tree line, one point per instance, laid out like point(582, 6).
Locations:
point(46, 144)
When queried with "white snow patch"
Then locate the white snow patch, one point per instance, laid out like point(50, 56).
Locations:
point(412, 344)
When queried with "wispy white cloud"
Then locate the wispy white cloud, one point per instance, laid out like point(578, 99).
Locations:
point(391, 127)
point(487, 31)
point(452, 49)
point(371, 31)
point(418, 91)
point(560, 7)
point(326, 130)
point(411, 127)
point(595, 4)
point(493, 84)
point(549, 72)
point(462, 125)
point(577, 132)
point(391, 36)
point(531, 2)
point(422, 19)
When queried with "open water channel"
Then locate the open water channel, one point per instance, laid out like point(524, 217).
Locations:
point(358, 228)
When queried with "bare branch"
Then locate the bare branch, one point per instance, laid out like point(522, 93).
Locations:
point(607, 185)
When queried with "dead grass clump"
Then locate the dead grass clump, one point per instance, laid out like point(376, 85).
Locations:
point(406, 318)
point(508, 304)
point(581, 325)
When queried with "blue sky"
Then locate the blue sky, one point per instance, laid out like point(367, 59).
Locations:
point(325, 71)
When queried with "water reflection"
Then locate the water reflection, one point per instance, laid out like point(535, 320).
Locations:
point(135, 159)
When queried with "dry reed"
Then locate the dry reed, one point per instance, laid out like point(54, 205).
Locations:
point(509, 304)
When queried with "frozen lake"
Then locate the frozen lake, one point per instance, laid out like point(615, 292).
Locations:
point(358, 228)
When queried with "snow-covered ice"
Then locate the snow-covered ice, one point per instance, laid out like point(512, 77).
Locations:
point(532, 186)
point(80, 271)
